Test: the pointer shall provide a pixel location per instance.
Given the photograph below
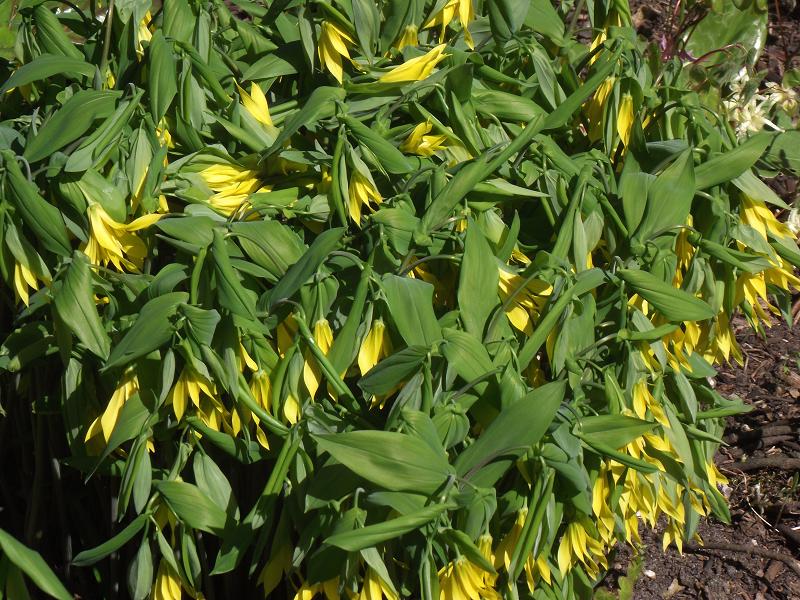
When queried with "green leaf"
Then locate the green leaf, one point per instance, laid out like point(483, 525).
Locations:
point(32, 564)
point(140, 572)
point(372, 535)
point(232, 294)
point(192, 507)
point(669, 199)
point(90, 557)
point(74, 303)
point(389, 158)
point(468, 357)
point(162, 79)
point(45, 66)
point(615, 431)
point(729, 165)
point(478, 281)
point(675, 304)
point(152, 329)
point(393, 370)
point(303, 269)
point(70, 122)
point(391, 460)
point(411, 306)
point(510, 435)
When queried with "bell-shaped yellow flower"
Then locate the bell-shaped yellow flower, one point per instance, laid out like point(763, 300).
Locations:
point(143, 34)
point(625, 119)
point(415, 69)
point(643, 401)
point(375, 588)
point(466, 14)
point(407, 38)
point(527, 302)
point(167, 585)
point(262, 393)
point(376, 346)
point(25, 279)
point(754, 212)
point(463, 580)
point(596, 108)
point(255, 103)
point(333, 41)
point(312, 375)
point(361, 192)
point(424, 145)
point(104, 424)
point(329, 589)
point(577, 545)
point(116, 243)
point(233, 186)
point(196, 387)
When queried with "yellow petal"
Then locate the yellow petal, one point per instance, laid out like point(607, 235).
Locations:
point(415, 69)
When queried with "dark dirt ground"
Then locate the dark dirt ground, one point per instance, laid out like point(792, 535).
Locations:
point(764, 501)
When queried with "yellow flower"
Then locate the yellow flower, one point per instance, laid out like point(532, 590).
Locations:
point(596, 107)
point(715, 478)
point(535, 567)
point(424, 145)
point(255, 103)
point(625, 119)
point(375, 588)
point(643, 400)
point(415, 69)
point(332, 47)
point(278, 565)
point(407, 38)
point(527, 303)
point(261, 390)
point(578, 546)
point(756, 214)
point(601, 498)
point(445, 16)
point(196, 387)
point(25, 278)
point(233, 186)
point(143, 34)
point(116, 243)
point(167, 585)
point(104, 424)
point(718, 343)
point(329, 588)
point(463, 580)
point(361, 191)
point(312, 375)
point(376, 346)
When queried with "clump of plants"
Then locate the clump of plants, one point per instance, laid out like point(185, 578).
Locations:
point(356, 299)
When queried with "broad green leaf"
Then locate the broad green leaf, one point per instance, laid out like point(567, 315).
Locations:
point(90, 557)
point(163, 79)
point(152, 329)
point(372, 535)
point(731, 164)
point(32, 564)
point(191, 506)
point(612, 430)
point(673, 303)
point(669, 199)
point(393, 461)
point(510, 435)
point(74, 303)
point(393, 370)
point(411, 306)
point(48, 65)
point(478, 282)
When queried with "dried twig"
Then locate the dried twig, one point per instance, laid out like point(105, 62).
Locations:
point(754, 550)
point(785, 463)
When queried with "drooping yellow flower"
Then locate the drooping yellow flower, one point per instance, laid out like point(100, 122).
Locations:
point(278, 565)
point(596, 108)
point(445, 16)
point(625, 118)
point(375, 588)
point(202, 392)
point(424, 145)
point(577, 545)
point(415, 69)
point(376, 346)
point(718, 343)
point(329, 588)
point(104, 424)
point(332, 47)
point(255, 103)
point(143, 34)
point(262, 393)
point(535, 567)
point(754, 212)
point(25, 278)
point(601, 498)
point(116, 243)
point(527, 303)
point(715, 478)
point(463, 580)
point(312, 375)
point(643, 401)
point(233, 186)
point(361, 192)
point(407, 38)
point(167, 585)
